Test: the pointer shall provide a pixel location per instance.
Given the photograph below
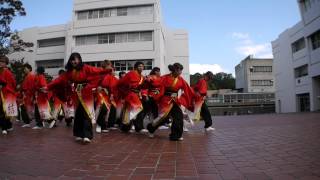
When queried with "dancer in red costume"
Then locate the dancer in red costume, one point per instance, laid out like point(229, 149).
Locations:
point(200, 106)
point(169, 103)
point(130, 89)
point(82, 77)
point(8, 104)
point(42, 106)
point(27, 91)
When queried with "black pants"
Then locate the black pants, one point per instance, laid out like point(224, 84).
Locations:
point(24, 115)
point(37, 116)
point(5, 122)
point(152, 107)
point(205, 114)
point(82, 126)
point(101, 120)
point(177, 123)
point(112, 117)
point(137, 122)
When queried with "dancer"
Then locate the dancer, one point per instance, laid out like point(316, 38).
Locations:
point(169, 106)
point(8, 104)
point(81, 77)
point(201, 108)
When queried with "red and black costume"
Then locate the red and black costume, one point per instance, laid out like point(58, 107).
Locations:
point(200, 107)
point(83, 80)
point(169, 105)
point(8, 104)
point(130, 89)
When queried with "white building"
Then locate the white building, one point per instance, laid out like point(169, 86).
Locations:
point(297, 62)
point(254, 75)
point(122, 31)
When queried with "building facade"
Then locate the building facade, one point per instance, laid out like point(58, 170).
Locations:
point(296, 54)
point(255, 75)
point(123, 31)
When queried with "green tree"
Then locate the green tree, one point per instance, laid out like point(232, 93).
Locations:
point(10, 41)
point(220, 81)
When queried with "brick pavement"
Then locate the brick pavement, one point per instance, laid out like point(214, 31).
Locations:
point(256, 147)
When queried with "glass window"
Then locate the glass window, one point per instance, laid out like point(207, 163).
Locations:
point(301, 71)
point(93, 14)
point(121, 37)
point(112, 38)
point(51, 42)
point(298, 45)
point(315, 40)
point(133, 11)
point(146, 10)
point(82, 15)
point(90, 40)
point(122, 11)
point(80, 40)
point(133, 37)
point(120, 65)
point(146, 36)
point(103, 39)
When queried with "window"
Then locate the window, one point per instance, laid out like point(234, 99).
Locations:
point(301, 71)
point(121, 37)
point(262, 69)
point(146, 36)
point(122, 11)
point(82, 15)
point(80, 40)
point(315, 40)
point(114, 38)
point(51, 42)
point(120, 65)
point(306, 4)
point(298, 45)
point(112, 12)
point(262, 82)
point(103, 39)
point(133, 37)
point(54, 63)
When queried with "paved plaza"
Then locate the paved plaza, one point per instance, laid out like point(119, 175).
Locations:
point(255, 147)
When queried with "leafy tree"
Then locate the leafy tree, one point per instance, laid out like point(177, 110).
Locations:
point(220, 81)
point(10, 41)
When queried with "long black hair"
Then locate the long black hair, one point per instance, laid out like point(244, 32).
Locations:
point(175, 66)
point(154, 70)
point(72, 57)
point(137, 64)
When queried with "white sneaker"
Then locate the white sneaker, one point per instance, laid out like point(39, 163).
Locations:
point(210, 129)
point(11, 129)
point(143, 131)
point(163, 127)
point(113, 128)
point(86, 140)
point(151, 135)
point(180, 139)
point(185, 129)
point(132, 131)
point(37, 127)
point(26, 126)
point(52, 123)
point(17, 120)
point(98, 129)
point(4, 132)
point(78, 139)
point(105, 130)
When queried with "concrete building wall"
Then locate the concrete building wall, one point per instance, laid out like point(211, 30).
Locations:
point(250, 79)
point(167, 46)
point(289, 85)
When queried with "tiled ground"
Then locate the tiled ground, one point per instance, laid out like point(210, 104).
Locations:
point(257, 147)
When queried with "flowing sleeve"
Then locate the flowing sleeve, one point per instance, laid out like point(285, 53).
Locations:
point(59, 82)
point(187, 97)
